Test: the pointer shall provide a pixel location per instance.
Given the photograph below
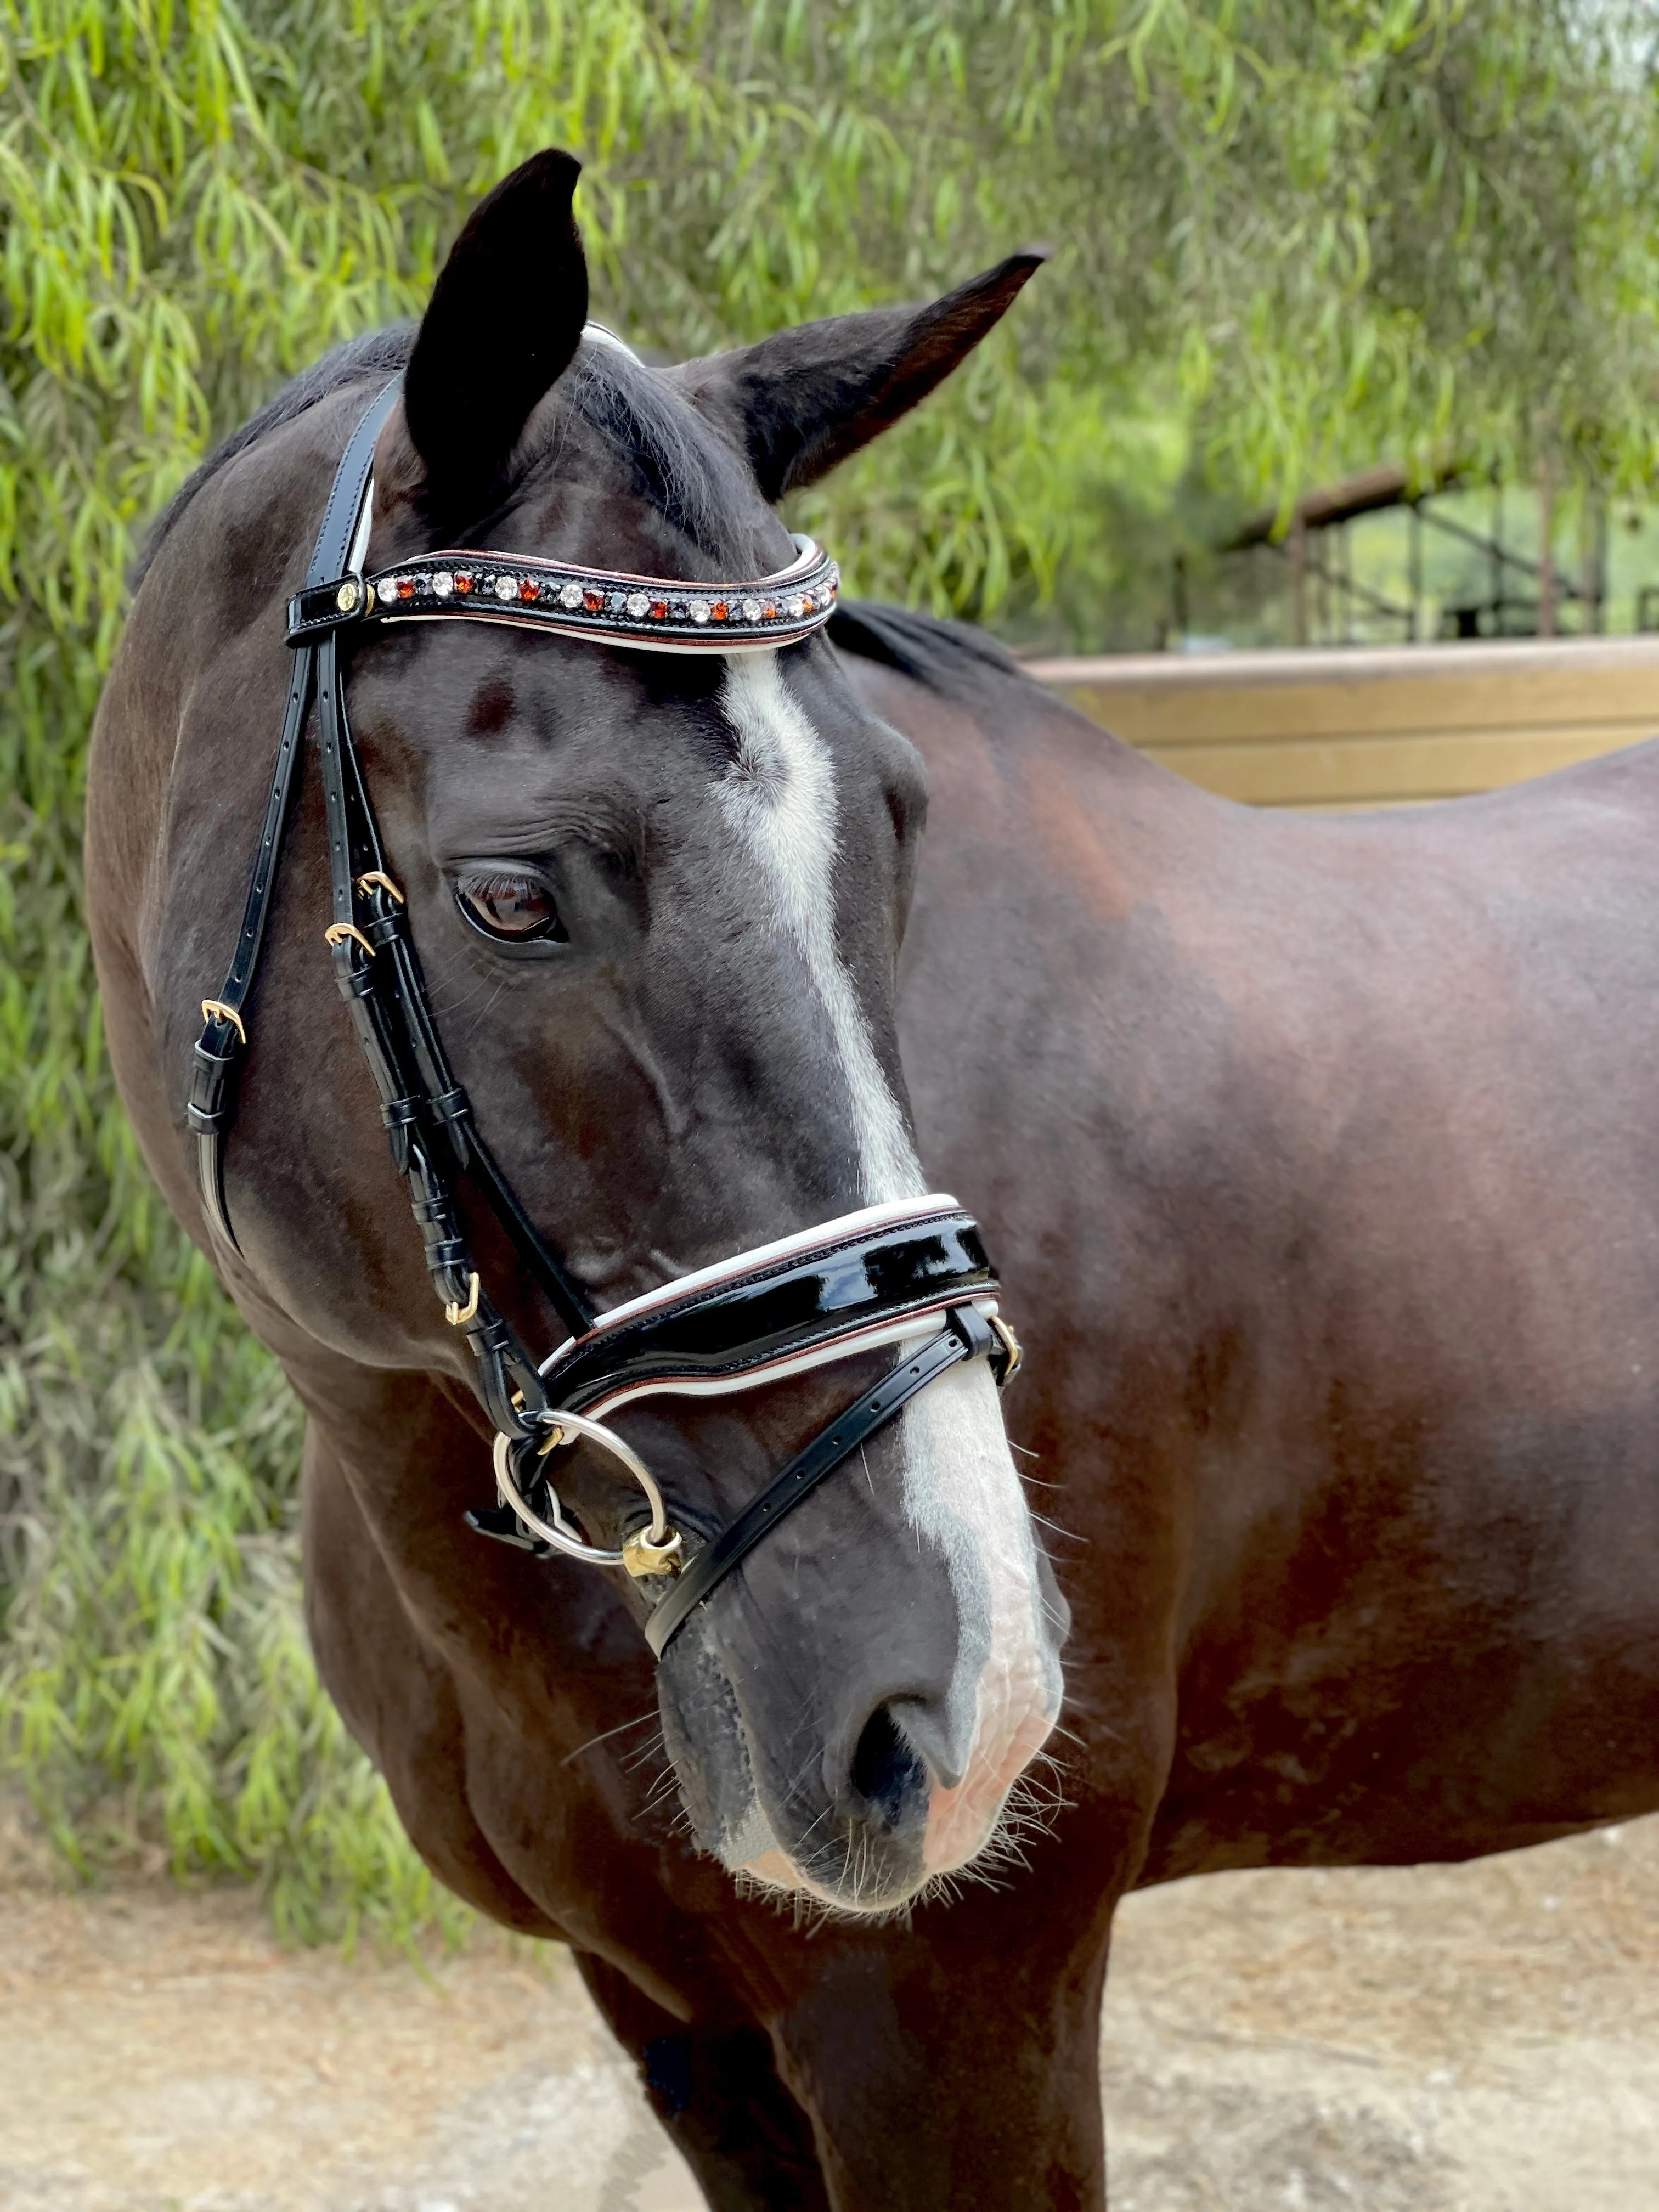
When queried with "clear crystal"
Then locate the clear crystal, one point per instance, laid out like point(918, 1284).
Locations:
point(699, 611)
point(637, 603)
point(751, 610)
point(506, 588)
point(571, 596)
point(443, 583)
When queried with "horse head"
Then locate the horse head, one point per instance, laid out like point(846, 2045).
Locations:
point(659, 898)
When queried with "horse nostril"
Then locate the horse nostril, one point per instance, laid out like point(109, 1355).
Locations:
point(885, 1771)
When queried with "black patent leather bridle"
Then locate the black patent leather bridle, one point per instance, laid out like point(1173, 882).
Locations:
point(887, 1275)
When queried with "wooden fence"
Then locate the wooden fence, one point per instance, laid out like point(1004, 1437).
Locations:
point(1368, 727)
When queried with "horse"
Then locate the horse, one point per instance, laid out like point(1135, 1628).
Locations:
point(1315, 1157)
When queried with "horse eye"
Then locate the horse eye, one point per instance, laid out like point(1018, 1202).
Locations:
point(512, 908)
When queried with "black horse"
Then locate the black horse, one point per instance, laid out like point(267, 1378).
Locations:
point(1317, 1158)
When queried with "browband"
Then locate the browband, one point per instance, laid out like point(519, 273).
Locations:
point(649, 614)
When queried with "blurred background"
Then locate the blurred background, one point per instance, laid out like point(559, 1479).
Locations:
point(1350, 334)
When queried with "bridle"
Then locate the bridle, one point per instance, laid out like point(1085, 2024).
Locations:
point(886, 1275)
point(913, 1273)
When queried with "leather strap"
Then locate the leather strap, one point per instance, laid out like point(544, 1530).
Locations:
point(422, 1107)
point(969, 1336)
point(714, 1335)
point(219, 1049)
point(377, 978)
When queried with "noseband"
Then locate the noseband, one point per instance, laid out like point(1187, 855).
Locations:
point(912, 1274)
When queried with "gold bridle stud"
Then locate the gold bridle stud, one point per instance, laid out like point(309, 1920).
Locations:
point(642, 1558)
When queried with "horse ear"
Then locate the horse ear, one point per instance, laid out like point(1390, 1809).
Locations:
point(505, 317)
point(799, 403)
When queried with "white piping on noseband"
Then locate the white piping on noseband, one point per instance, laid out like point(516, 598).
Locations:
point(920, 1323)
point(782, 1248)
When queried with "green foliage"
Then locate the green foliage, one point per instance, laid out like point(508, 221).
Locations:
point(1288, 239)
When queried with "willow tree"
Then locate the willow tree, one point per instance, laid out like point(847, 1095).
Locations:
point(1285, 240)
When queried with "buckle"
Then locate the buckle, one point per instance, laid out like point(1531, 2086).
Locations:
point(1006, 1364)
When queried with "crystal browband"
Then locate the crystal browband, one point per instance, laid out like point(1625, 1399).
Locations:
point(647, 613)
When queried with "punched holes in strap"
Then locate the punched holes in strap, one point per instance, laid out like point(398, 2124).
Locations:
point(212, 1103)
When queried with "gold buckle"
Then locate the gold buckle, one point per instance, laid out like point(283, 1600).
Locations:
point(337, 932)
point(458, 1317)
point(642, 1558)
point(215, 1010)
point(375, 875)
point(1009, 1342)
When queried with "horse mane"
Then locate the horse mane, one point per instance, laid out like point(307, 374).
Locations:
point(950, 658)
point(679, 465)
point(378, 353)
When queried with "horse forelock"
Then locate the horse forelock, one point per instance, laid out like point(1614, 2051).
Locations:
point(672, 459)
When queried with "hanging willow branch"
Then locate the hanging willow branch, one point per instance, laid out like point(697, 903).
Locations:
point(1289, 240)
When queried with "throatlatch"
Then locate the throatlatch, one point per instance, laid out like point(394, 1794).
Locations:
point(913, 1274)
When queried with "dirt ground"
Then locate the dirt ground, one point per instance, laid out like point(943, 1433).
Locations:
point(1472, 2039)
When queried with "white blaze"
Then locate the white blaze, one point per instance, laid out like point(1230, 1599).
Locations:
point(780, 797)
point(960, 1488)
